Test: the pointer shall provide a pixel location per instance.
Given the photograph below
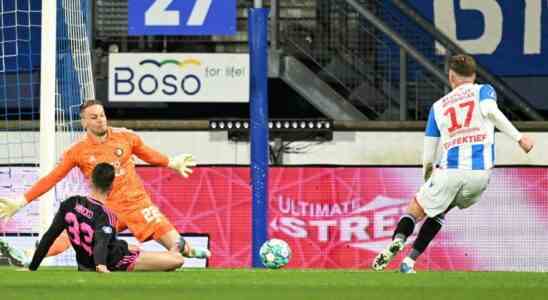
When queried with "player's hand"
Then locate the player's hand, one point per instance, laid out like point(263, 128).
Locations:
point(9, 207)
point(526, 143)
point(182, 163)
point(102, 269)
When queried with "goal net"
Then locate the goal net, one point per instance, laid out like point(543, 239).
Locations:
point(22, 62)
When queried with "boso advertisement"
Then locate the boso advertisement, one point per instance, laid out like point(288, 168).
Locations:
point(178, 77)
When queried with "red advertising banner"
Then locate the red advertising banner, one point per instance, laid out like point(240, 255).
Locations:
point(340, 217)
point(336, 217)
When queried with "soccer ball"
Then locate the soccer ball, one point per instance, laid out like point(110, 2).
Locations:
point(275, 253)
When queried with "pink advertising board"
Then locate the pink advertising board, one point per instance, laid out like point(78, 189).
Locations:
point(339, 217)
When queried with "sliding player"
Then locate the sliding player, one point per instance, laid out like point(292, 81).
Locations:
point(92, 232)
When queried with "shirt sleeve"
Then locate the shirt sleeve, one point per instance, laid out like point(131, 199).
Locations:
point(146, 153)
point(104, 231)
point(57, 226)
point(430, 148)
point(431, 139)
point(47, 182)
point(487, 92)
point(490, 110)
point(432, 129)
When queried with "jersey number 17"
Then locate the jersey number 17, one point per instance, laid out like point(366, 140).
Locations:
point(451, 113)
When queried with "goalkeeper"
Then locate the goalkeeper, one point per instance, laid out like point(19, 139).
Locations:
point(128, 199)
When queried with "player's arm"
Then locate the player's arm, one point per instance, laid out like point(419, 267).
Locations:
point(8, 207)
point(147, 153)
point(431, 140)
point(181, 163)
point(104, 231)
point(490, 110)
point(57, 226)
point(47, 182)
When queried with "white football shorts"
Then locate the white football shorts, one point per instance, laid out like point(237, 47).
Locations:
point(462, 188)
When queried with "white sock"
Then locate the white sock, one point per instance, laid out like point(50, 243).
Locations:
point(409, 261)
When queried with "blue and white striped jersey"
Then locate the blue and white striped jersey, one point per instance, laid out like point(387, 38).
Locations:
point(467, 137)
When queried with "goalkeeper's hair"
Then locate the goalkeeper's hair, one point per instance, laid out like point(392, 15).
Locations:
point(88, 103)
point(102, 177)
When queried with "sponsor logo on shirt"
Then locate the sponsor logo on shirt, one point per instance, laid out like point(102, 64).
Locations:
point(107, 229)
point(119, 152)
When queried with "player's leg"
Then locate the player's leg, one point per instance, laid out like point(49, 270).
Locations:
point(158, 261)
point(149, 223)
point(174, 242)
point(61, 244)
point(120, 225)
point(404, 229)
point(474, 183)
point(427, 233)
point(169, 238)
point(122, 258)
point(433, 198)
point(19, 257)
point(15, 256)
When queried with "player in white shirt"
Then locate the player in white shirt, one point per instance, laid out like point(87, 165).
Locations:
point(461, 127)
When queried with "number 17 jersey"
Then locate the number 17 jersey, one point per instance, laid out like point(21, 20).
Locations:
point(466, 135)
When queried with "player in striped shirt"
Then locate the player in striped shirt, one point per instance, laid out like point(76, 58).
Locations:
point(461, 125)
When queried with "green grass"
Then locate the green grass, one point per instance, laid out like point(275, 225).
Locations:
point(56, 283)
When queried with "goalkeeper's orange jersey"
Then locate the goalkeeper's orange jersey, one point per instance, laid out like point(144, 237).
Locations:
point(128, 192)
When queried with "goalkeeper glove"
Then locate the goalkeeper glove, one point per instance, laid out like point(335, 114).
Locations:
point(9, 207)
point(182, 163)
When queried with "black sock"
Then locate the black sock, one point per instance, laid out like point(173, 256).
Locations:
point(428, 231)
point(405, 227)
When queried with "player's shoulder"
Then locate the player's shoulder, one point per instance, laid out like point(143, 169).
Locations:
point(79, 143)
point(437, 105)
point(101, 211)
point(122, 132)
point(486, 91)
point(95, 203)
point(485, 86)
point(73, 200)
point(96, 206)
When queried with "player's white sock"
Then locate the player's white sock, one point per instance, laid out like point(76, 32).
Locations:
point(409, 261)
point(407, 266)
point(193, 252)
point(200, 253)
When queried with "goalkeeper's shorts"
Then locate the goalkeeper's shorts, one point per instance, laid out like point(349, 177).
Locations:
point(146, 224)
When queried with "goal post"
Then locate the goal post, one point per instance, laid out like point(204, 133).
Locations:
point(47, 105)
point(45, 74)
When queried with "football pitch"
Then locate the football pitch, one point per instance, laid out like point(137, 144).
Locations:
point(57, 283)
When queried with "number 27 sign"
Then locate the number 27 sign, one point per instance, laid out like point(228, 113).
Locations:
point(182, 17)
